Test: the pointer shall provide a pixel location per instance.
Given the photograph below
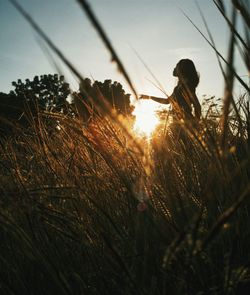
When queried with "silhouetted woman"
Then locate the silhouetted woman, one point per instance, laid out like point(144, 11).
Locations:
point(183, 97)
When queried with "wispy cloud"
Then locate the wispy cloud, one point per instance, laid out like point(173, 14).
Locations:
point(185, 52)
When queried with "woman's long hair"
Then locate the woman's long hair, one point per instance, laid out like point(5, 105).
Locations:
point(186, 72)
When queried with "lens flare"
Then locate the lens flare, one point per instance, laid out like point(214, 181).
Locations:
point(146, 119)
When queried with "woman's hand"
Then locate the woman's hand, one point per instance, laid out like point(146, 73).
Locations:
point(143, 96)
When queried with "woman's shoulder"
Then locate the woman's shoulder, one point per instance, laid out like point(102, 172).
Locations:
point(180, 86)
point(183, 88)
point(178, 89)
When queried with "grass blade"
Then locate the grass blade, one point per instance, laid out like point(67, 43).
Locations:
point(232, 27)
point(46, 39)
point(219, 54)
point(114, 57)
point(228, 96)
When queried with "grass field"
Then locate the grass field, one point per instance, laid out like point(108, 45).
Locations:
point(100, 210)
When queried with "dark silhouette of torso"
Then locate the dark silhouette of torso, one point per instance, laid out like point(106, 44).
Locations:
point(181, 101)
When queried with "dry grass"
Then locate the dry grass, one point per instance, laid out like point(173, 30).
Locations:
point(97, 211)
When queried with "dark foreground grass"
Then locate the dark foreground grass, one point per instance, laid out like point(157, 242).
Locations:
point(95, 211)
point(98, 211)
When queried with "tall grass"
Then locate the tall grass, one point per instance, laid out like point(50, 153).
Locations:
point(98, 211)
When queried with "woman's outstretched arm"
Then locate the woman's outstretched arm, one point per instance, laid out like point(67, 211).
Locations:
point(157, 99)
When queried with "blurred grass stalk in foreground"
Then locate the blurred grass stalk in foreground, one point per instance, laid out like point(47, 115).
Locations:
point(69, 217)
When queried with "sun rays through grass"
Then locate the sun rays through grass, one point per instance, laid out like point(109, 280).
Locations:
point(146, 118)
point(102, 207)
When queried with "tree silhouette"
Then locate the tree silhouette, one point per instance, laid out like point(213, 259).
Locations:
point(50, 92)
point(14, 112)
point(91, 95)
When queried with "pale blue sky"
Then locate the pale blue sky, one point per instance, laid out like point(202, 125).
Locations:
point(156, 29)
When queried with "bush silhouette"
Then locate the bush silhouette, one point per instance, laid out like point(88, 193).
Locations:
point(50, 92)
point(93, 96)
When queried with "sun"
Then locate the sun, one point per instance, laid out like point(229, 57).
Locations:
point(146, 119)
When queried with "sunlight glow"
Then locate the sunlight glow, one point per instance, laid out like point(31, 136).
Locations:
point(146, 119)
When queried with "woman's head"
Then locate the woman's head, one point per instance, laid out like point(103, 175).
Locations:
point(186, 72)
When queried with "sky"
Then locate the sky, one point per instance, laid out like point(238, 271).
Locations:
point(156, 29)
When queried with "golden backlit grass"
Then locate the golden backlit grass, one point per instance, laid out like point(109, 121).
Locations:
point(97, 210)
